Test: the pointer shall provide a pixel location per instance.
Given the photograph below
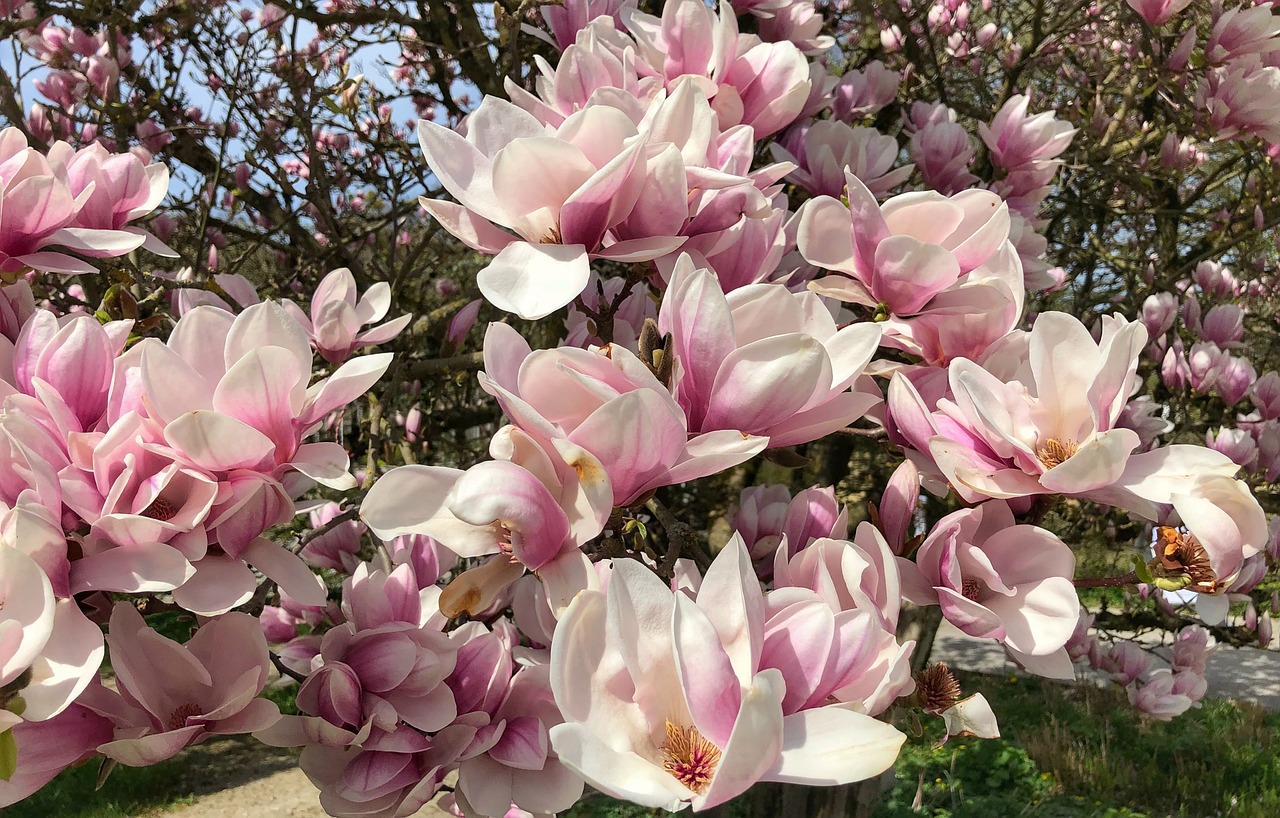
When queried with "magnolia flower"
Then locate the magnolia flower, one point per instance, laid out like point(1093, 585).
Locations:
point(337, 315)
point(996, 580)
point(209, 685)
point(1015, 139)
point(561, 192)
point(1157, 12)
point(666, 702)
point(902, 253)
point(765, 515)
point(606, 401)
point(864, 91)
point(762, 360)
point(829, 148)
point(1049, 427)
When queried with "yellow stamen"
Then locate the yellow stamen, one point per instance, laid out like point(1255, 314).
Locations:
point(690, 757)
point(1055, 452)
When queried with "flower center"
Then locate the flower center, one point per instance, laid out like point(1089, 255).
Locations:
point(1181, 556)
point(971, 589)
point(178, 718)
point(689, 757)
point(161, 509)
point(552, 236)
point(1055, 452)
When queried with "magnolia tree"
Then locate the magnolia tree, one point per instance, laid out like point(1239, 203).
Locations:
point(808, 327)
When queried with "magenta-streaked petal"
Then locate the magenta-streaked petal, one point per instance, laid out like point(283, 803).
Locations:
point(711, 688)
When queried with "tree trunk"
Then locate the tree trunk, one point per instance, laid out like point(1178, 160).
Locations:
point(793, 801)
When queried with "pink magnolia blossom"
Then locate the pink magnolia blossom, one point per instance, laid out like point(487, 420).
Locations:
point(608, 402)
point(763, 85)
point(940, 269)
point(666, 701)
point(1050, 427)
point(864, 91)
point(1242, 98)
point(997, 580)
point(942, 149)
point(338, 547)
point(534, 507)
point(1015, 138)
point(766, 515)
point(512, 761)
point(567, 19)
point(337, 316)
point(796, 22)
point(590, 173)
point(46, 748)
point(114, 190)
point(1244, 31)
point(1266, 395)
point(209, 685)
point(1158, 12)
point(829, 148)
point(762, 360)
point(1165, 694)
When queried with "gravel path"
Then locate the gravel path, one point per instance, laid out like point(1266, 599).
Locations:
point(242, 780)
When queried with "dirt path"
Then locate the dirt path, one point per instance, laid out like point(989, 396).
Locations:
point(234, 779)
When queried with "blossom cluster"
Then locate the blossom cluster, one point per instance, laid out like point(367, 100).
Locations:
point(544, 620)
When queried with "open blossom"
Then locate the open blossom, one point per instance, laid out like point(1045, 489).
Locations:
point(829, 148)
point(904, 252)
point(762, 360)
point(337, 316)
point(209, 685)
point(669, 702)
point(760, 84)
point(608, 402)
point(587, 176)
point(997, 580)
point(533, 507)
point(1016, 138)
point(1242, 98)
point(941, 270)
point(1050, 428)
point(864, 91)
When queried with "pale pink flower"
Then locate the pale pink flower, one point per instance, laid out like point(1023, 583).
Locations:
point(1244, 31)
point(762, 360)
point(337, 314)
point(1050, 427)
point(587, 176)
point(113, 190)
point(534, 506)
point(666, 701)
point(864, 91)
point(763, 85)
point(567, 19)
point(906, 251)
point(1242, 98)
point(209, 685)
point(1016, 138)
point(830, 148)
point(995, 579)
point(765, 515)
point(609, 403)
point(1158, 12)
point(46, 748)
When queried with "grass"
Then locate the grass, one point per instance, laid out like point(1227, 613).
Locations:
point(1084, 753)
point(1066, 752)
